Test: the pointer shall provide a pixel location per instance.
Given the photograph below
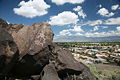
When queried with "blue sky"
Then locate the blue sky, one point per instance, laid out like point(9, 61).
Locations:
point(68, 18)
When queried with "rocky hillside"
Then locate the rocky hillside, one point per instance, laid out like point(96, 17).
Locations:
point(27, 52)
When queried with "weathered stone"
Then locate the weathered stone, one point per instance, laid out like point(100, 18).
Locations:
point(50, 72)
point(66, 64)
point(9, 52)
point(14, 27)
point(31, 64)
point(3, 23)
point(4, 35)
point(35, 77)
point(32, 39)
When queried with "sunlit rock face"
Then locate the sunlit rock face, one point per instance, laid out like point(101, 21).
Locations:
point(31, 39)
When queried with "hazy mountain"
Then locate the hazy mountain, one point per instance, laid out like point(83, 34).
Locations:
point(89, 39)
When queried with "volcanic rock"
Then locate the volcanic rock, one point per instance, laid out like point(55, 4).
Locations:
point(31, 39)
point(66, 64)
point(3, 23)
point(9, 52)
point(50, 72)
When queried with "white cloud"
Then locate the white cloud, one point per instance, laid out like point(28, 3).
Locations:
point(78, 34)
point(8, 22)
point(97, 22)
point(104, 27)
point(77, 29)
point(64, 18)
point(78, 8)
point(68, 32)
point(80, 11)
point(112, 21)
point(61, 2)
point(96, 28)
point(115, 7)
point(104, 12)
point(64, 33)
point(100, 6)
point(32, 8)
point(74, 32)
point(93, 23)
point(118, 28)
point(103, 34)
point(95, 34)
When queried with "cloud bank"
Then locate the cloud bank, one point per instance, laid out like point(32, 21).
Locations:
point(61, 2)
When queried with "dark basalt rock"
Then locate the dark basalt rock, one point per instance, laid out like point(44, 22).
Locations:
point(50, 73)
point(9, 52)
point(66, 65)
point(28, 52)
point(3, 23)
point(31, 64)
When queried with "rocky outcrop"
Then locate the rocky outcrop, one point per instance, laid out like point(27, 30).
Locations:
point(3, 23)
point(67, 65)
point(28, 52)
point(31, 39)
point(9, 52)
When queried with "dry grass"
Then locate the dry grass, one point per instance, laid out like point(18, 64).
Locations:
point(105, 73)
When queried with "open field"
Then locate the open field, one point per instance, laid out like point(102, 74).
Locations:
point(105, 72)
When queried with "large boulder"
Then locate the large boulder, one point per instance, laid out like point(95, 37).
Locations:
point(9, 52)
point(30, 65)
point(50, 72)
point(65, 64)
point(31, 39)
point(32, 42)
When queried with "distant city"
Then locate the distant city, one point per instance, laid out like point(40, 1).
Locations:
point(94, 52)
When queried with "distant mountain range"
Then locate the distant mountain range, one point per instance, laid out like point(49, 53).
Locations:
point(89, 39)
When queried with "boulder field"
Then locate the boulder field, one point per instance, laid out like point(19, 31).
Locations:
point(28, 52)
